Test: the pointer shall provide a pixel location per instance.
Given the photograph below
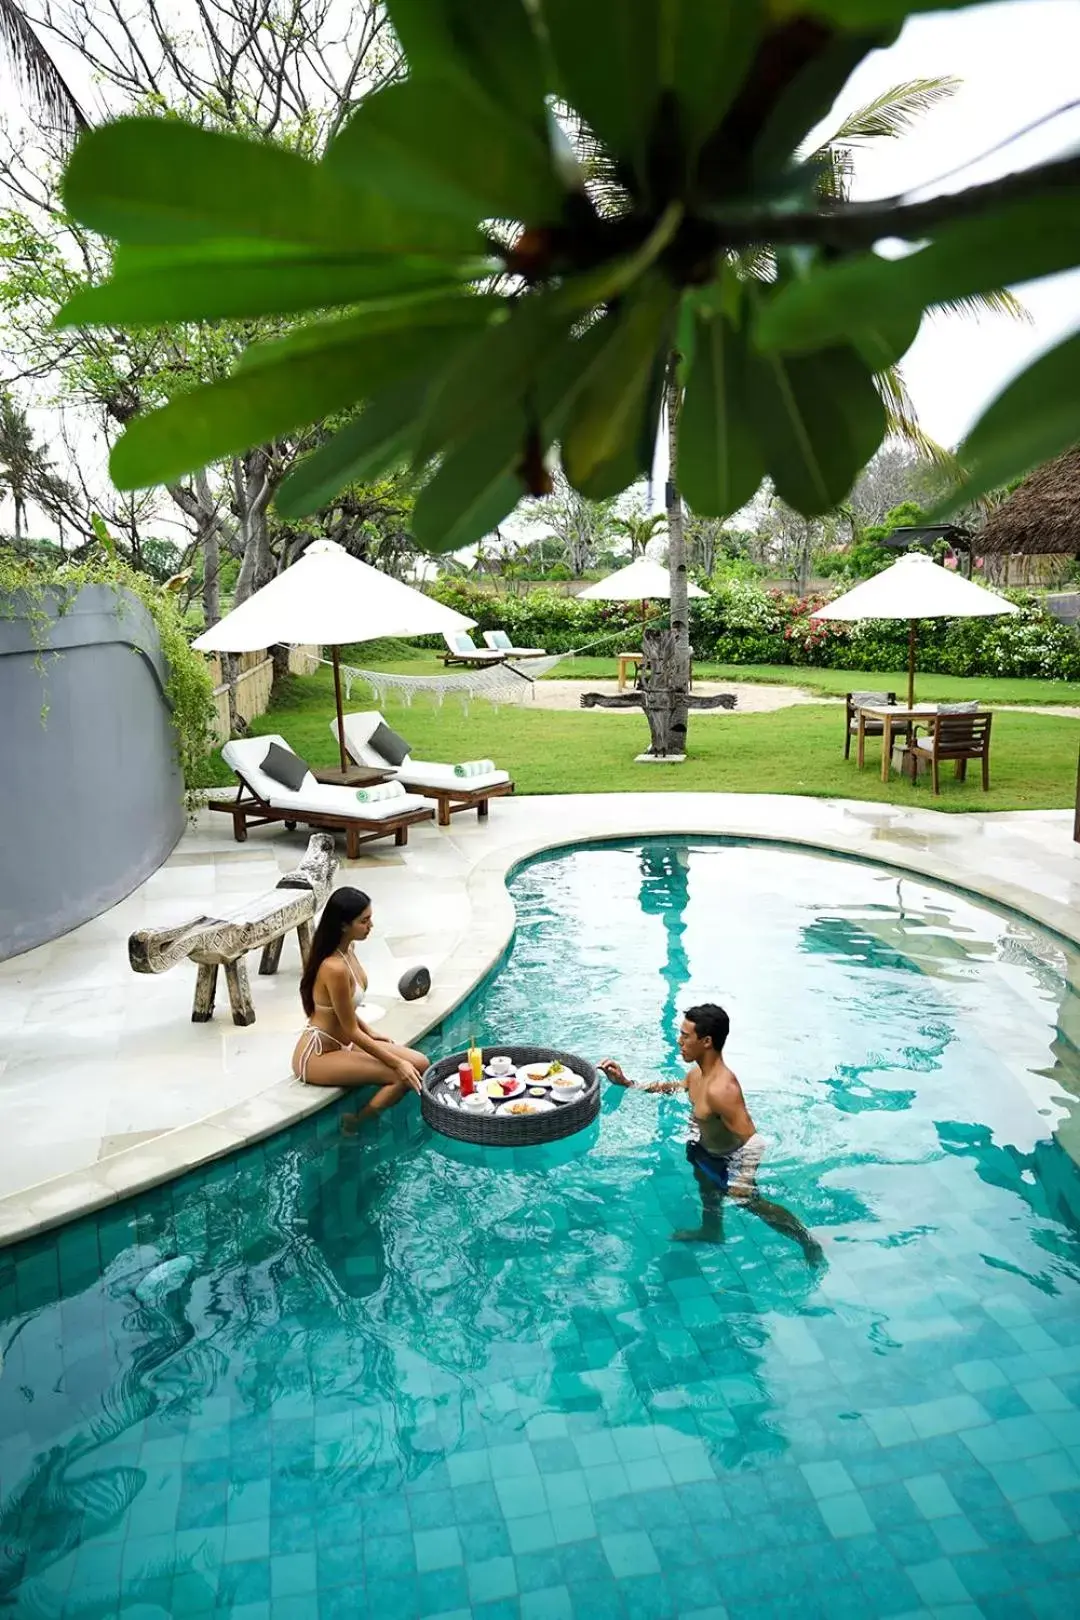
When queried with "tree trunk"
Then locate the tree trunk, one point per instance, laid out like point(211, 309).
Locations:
point(666, 665)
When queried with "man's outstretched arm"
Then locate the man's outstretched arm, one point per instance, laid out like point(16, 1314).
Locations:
point(618, 1078)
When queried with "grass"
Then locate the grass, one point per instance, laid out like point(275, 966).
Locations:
point(796, 750)
point(829, 682)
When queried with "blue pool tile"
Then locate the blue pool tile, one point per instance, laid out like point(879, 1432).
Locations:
point(293, 1575)
point(468, 1467)
point(343, 1603)
point(1040, 1519)
point(548, 1567)
point(431, 1510)
point(385, 1515)
point(551, 1603)
point(827, 1478)
point(573, 1524)
point(441, 1590)
point(437, 1549)
point(388, 1555)
point(519, 1498)
point(492, 1579)
point(630, 1553)
point(891, 1426)
point(244, 1583)
point(532, 1534)
point(956, 1534)
point(931, 1496)
point(938, 1583)
point(1009, 1439)
point(646, 1597)
point(596, 1600)
point(512, 1462)
point(247, 1540)
point(393, 1595)
point(846, 1515)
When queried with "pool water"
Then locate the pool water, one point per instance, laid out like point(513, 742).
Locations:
point(399, 1378)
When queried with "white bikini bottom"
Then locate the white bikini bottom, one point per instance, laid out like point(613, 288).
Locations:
point(314, 1047)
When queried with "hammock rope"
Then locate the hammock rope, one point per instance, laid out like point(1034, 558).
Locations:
point(510, 681)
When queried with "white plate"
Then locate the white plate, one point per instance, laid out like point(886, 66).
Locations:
point(499, 1074)
point(536, 1105)
point(478, 1113)
point(505, 1080)
point(535, 1073)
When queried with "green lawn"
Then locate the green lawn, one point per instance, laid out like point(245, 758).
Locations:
point(829, 682)
point(797, 750)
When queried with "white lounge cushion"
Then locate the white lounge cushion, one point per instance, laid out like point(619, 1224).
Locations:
point(360, 727)
point(499, 641)
point(245, 755)
point(429, 774)
point(323, 799)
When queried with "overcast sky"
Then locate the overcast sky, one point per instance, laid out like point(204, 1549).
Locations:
point(1017, 62)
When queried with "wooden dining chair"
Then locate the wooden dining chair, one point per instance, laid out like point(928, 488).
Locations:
point(854, 701)
point(958, 737)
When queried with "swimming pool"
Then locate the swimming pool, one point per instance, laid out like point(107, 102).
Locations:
point(332, 1378)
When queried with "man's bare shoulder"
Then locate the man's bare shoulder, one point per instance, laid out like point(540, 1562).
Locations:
point(724, 1083)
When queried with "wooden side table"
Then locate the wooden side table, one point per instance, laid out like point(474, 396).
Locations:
point(628, 661)
point(357, 776)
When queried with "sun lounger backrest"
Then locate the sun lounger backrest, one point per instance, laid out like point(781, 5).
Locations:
point(359, 729)
point(245, 755)
point(459, 641)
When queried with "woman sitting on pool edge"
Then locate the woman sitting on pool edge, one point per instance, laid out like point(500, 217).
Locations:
point(336, 1047)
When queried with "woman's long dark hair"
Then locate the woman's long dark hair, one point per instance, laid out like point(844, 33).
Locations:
point(342, 908)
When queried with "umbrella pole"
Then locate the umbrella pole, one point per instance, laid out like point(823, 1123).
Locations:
point(911, 665)
point(334, 654)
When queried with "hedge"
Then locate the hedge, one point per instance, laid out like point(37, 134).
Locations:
point(741, 622)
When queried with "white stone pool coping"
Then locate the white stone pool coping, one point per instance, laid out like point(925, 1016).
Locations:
point(444, 901)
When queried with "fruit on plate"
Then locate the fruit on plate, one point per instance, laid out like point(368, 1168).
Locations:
point(496, 1089)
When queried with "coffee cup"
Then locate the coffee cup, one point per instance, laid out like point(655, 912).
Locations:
point(501, 1065)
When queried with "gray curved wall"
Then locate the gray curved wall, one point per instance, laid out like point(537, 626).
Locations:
point(91, 800)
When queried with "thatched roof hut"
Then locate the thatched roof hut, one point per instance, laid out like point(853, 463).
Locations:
point(1042, 517)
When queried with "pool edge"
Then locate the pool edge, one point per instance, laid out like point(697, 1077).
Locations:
point(60, 1199)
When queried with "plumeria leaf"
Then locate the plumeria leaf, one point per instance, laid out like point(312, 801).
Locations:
point(720, 463)
point(706, 47)
point(287, 390)
point(205, 284)
point(605, 420)
point(441, 147)
point(1037, 237)
point(491, 41)
point(157, 181)
point(818, 419)
point(374, 441)
point(607, 56)
point(475, 487)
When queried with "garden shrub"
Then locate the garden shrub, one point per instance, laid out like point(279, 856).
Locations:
point(742, 621)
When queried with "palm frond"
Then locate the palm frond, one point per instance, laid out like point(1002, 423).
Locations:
point(36, 71)
point(998, 302)
point(903, 421)
point(894, 111)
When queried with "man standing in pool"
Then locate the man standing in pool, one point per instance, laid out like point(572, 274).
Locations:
point(723, 1143)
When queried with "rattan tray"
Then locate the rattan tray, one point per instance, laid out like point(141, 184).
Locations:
point(509, 1130)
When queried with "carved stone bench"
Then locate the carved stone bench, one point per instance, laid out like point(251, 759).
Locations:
point(225, 938)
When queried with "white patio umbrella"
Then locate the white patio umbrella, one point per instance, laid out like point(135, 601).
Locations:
point(330, 599)
point(642, 581)
point(915, 588)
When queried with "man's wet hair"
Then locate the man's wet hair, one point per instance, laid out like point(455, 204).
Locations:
point(711, 1022)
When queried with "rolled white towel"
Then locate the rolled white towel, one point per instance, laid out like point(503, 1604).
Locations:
point(475, 767)
point(384, 790)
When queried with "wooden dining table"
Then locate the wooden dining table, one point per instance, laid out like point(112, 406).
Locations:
point(890, 715)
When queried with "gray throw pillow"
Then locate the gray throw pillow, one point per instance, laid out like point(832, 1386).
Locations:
point(388, 745)
point(285, 767)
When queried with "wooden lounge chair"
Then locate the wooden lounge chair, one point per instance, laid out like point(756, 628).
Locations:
point(854, 701)
point(462, 649)
point(435, 781)
point(498, 641)
point(956, 736)
point(260, 800)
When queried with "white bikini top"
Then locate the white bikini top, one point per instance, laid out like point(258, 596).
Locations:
point(325, 1006)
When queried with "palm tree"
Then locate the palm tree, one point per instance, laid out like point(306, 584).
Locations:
point(639, 528)
point(36, 72)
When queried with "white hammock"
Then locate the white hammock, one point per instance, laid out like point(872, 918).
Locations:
point(511, 681)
